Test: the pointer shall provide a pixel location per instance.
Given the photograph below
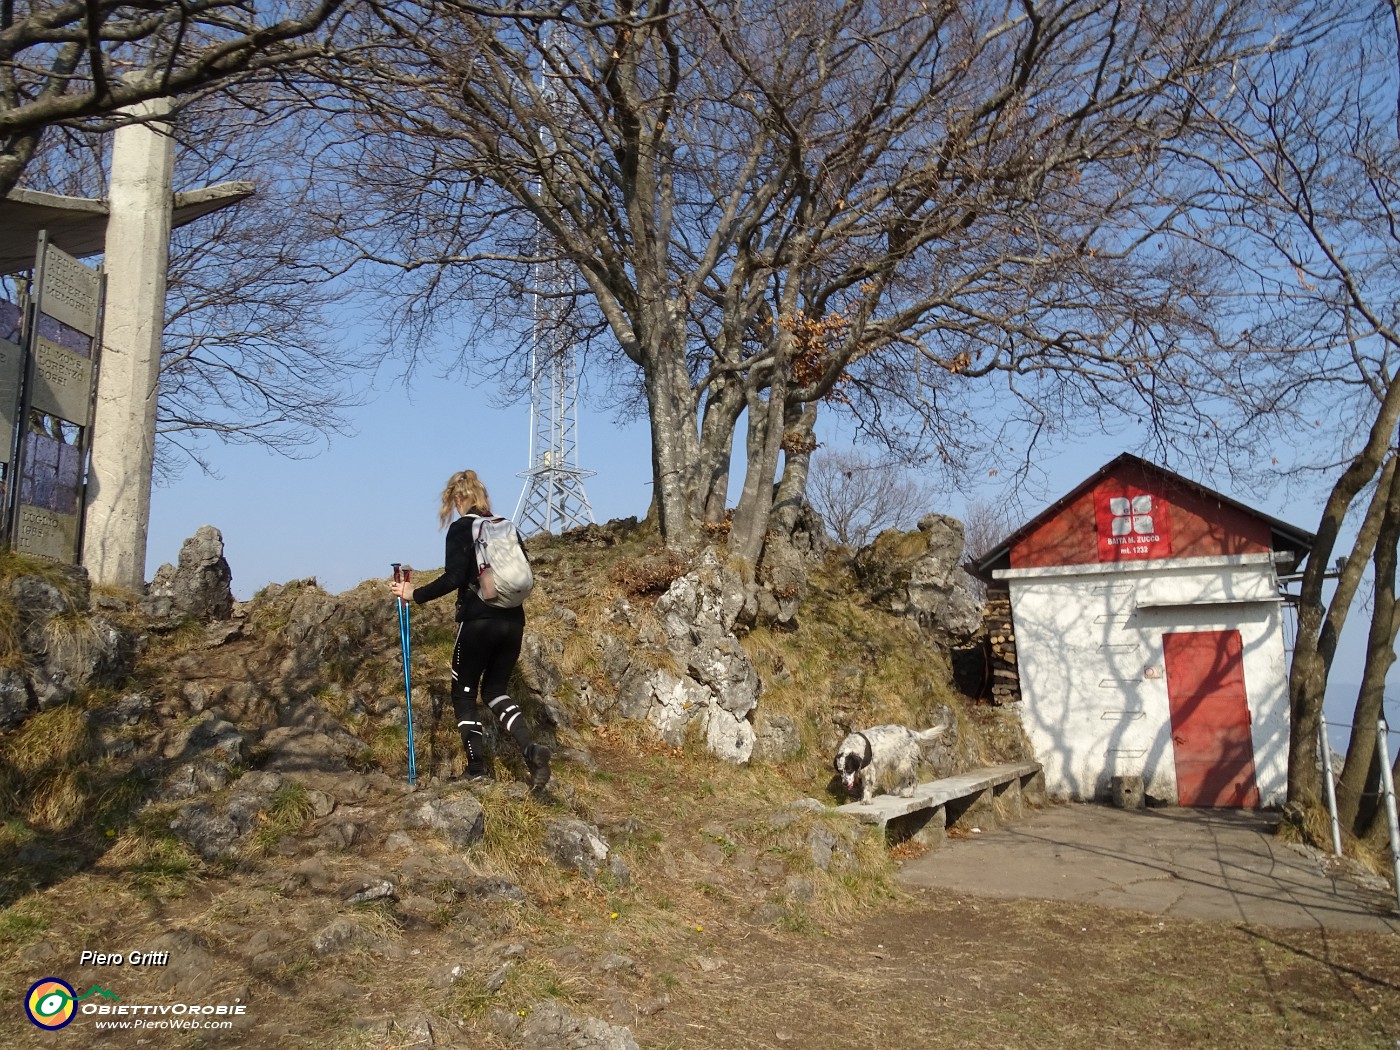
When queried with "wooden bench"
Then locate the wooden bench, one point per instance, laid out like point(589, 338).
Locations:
point(965, 800)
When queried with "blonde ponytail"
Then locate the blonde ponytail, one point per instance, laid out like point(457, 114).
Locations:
point(464, 490)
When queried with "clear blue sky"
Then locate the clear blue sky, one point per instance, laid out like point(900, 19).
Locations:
point(346, 513)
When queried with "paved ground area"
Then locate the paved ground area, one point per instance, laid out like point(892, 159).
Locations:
point(1222, 865)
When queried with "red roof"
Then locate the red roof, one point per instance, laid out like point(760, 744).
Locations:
point(1133, 509)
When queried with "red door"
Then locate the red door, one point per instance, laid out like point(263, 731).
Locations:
point(1210, 719)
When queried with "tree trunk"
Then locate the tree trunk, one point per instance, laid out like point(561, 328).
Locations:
point(798, 444)
point(1378, 834)
point(765, 443)
point(723, 404)
point(1318, 632)
point(675, 445)
point(1356, 799)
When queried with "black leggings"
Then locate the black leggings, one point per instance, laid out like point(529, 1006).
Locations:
point(482, 661)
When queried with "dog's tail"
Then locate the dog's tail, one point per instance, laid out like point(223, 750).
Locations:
point(929, 734)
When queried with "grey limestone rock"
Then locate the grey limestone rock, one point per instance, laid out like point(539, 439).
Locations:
point(460, 820)
point(722, 664)
point(920, 575)
point(198, 587)
point(550, 1026)
point(338, 936)
point(214, 831)
point(16, 704)
point(190, 969)
point(675, 702)
point(576, 846)
point(776, 738)
point(728, 737)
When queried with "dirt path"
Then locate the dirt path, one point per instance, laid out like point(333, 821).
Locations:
point(1225, 865)
point(963, 971)
point(1081, 926)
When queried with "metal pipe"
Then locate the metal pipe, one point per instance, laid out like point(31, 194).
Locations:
point(1331, 786)
point(1388, 787)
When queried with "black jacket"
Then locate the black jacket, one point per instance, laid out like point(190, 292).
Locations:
point(459, 573)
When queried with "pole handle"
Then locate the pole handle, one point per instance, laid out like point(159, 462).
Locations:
point(397, 572)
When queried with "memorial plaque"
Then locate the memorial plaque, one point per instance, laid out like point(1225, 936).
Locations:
point(11, 368)
point(46, 534)
point(49, 494)
point(70, 290)
point(59, 351)
point(52, 477)
point(62, 382)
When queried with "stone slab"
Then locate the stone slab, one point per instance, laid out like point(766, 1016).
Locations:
point(885, 808)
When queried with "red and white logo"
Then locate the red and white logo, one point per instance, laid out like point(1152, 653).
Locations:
point(1131, 516)
point(1132, 524)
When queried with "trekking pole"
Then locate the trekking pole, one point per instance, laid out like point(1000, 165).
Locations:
point(407, 688)
point(403, 574)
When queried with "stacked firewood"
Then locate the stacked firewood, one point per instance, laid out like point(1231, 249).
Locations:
point(1001, 646)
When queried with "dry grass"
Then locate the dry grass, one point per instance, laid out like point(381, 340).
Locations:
point(287, 812)
point(185, 637)
point(60, 801)
point(12, 656)
point(73, 639)
point(12, 566)
point(1315, 829)
point(51, 739)
point(650, 574)
point(849, 664)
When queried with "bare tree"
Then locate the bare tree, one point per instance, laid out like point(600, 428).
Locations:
point(860, 496)
point(913, 216)
point(78, 59)
point(1305, 153)
point(259, 341)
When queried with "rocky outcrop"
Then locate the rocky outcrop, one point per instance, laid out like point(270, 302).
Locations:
point(687, 675)
point(61, 645)
point(460, 820)
point(199, 587)
point(920, 575)
point(214, 829)
point(698, 616)
point(580, 847)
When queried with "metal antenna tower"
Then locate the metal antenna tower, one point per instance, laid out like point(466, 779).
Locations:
point(553, 499)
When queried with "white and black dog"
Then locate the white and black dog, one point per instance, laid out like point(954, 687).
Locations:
point(883, 758)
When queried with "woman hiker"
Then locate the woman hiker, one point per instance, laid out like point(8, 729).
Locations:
point(488, 638)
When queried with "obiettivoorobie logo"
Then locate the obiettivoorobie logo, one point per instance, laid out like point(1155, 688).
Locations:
point(52, 1003)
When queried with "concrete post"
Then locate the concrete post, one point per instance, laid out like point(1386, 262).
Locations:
point(124, 426)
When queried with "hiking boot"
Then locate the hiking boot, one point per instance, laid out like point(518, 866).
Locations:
point(537, 759)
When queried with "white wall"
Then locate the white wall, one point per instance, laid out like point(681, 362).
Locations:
point(1093, 678)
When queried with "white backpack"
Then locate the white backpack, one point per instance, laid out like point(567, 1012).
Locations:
point(505, 578)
